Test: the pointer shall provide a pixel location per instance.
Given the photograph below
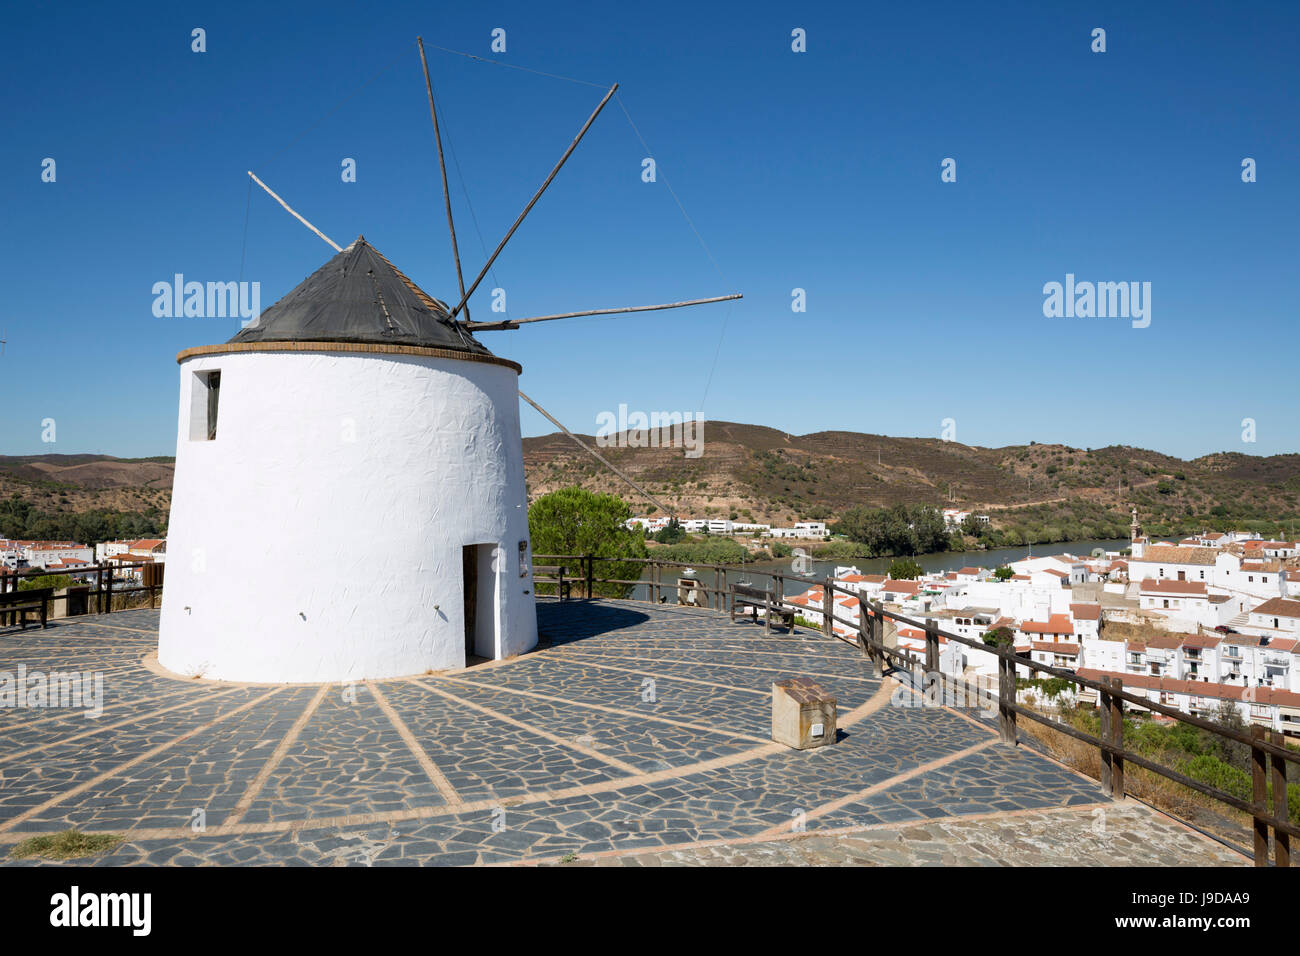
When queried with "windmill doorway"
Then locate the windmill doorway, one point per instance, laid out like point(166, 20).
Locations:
point(479, 594)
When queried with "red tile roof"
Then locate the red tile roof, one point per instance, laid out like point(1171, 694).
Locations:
point(902, 586)
point(1056, 647)
point(1170, 586)
point(1169, 554)
point(1279, 607)
point(1056, 624)
point(1262, 695)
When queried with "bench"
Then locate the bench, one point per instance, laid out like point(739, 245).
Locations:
point(16, 605)
point(554, 574)
point(744, 596)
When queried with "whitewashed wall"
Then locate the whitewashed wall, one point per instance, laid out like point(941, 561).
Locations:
point(318, 537)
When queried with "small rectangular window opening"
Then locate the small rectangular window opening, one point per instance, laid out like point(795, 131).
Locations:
point(203, 405)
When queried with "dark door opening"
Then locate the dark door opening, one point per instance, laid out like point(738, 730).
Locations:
point(469, 568)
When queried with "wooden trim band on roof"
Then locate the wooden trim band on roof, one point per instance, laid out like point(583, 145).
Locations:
point(359, 347)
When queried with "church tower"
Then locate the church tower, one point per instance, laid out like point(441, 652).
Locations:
point(1137, 543)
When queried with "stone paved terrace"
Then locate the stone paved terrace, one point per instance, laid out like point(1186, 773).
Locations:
point(640, 735)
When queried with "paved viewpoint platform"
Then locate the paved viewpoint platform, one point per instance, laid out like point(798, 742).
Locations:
point(640, 735)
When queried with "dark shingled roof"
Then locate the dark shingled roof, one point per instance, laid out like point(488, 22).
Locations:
point(359, 296)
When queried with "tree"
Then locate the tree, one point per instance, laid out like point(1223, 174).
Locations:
point(671, 533)
point(573, 521)
point(897, 530)
point(999, 637)
point(1003, 573)
point(1231, 752)
point(905, 569)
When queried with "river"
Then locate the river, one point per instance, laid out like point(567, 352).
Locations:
point(759, 574)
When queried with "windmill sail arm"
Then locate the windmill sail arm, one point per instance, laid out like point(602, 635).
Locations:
point(532, 202)
point(292, 212)
point(598, 456)
point(515, 323)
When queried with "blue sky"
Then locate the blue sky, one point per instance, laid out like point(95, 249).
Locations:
point(816, 170)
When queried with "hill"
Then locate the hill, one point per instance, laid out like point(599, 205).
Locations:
point(754, 473)
point(751, 472)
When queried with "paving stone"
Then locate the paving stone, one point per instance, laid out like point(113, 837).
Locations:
point(635, 735)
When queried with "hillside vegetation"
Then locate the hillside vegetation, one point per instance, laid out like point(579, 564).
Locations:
point(1031, 492)
point(1034, 492)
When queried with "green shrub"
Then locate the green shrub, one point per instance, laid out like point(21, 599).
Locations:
point(55, 581)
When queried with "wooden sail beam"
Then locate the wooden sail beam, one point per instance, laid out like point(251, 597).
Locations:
point(515, 323)
point(442, 165)
point(600, 458)
point(271, 193)
point(536, 196)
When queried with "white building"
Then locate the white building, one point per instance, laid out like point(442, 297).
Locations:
point(1266, 706)
point(108, 549)
point(1278, 617)
point(43, 554)
point(349, 496)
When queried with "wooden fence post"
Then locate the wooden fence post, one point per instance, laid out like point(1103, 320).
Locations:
point(1007, 698)
point(590, 563)
point(1117, 738)
point(99, 587)
point(108, 602)
point(932, 658)
point(931, 645)
point(1259, 792)
point(1281, 841)
point(828, 608)
point(878, 625)
point(1107, 769)
point(719, 589)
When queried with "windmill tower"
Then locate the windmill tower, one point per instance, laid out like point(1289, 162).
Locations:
point(349, 497)
point(349, 491)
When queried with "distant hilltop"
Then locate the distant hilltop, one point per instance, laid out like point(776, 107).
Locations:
point(762, 474)
point(90, 471)
point(755, 473)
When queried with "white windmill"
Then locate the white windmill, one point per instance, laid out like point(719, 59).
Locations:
point(349, 497)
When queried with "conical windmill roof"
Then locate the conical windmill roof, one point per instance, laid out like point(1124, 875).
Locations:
point(359, 296)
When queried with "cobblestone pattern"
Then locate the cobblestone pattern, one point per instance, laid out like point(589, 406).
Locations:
point(637, 729)
point(1123, 835)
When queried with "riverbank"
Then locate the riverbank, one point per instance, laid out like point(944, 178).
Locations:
point(759, 573)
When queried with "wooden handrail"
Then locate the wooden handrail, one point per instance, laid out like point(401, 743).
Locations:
point(101, 588)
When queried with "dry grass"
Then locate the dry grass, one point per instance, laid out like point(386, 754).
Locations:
point(1129, 631)
point(1173, 798)
point(68, 845)
point(130, 601)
